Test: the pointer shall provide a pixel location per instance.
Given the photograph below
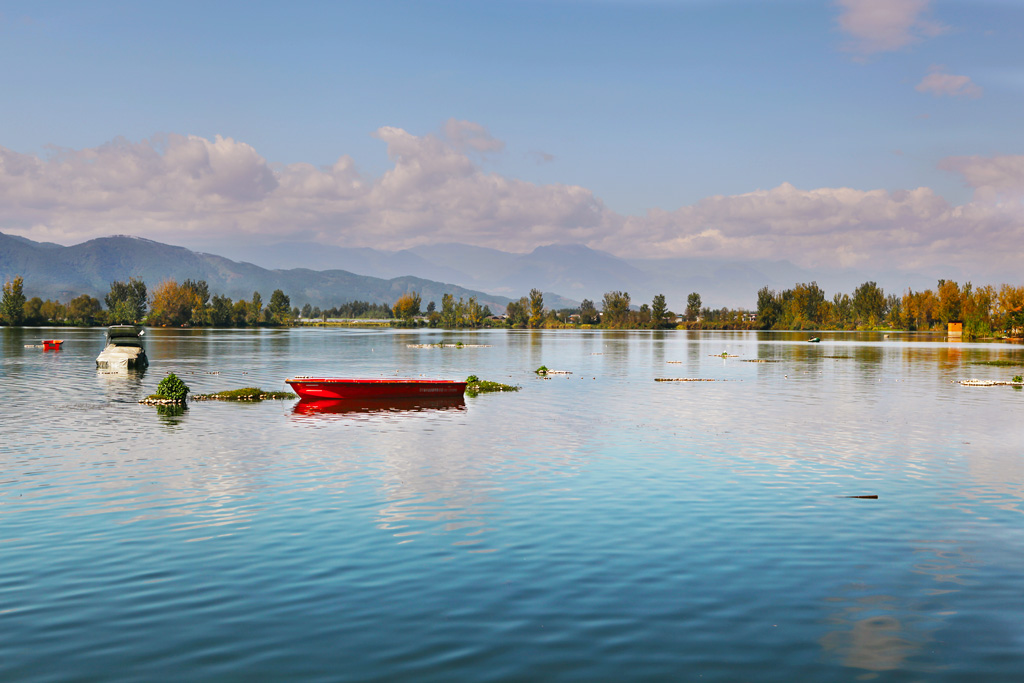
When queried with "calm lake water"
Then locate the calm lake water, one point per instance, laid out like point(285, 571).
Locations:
point(593, 526)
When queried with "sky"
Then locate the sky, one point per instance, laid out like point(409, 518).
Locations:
point(833, 134)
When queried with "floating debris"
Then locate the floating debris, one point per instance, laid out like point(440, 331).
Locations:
point(989, 383)
point(724, 354)
point(245, 394)
point(686, 379)
point(870, 497)
point(442, 345)
point(759, 360)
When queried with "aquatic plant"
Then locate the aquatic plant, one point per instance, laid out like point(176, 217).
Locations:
point(245, 394)
point(171, 388)
point(1018, 379)
point(476, 386)
point(542, 370)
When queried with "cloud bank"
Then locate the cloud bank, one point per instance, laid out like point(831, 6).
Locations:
point(875, 26)
point(193, 191)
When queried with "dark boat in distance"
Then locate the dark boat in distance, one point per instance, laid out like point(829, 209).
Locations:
point(335, 388)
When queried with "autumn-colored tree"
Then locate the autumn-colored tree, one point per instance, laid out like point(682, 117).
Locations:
point(407, 307)
point(950, 299)
point(172, 304)
point(536, 308)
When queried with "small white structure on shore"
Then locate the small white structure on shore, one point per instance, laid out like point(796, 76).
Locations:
point(123, 350)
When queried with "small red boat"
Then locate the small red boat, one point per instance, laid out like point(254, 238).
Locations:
point(52, 343)
point(333, 388)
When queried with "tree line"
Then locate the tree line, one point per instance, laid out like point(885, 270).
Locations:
point(170, 304)
point(984, 311)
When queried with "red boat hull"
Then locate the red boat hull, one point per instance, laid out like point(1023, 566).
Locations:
point(326, 388)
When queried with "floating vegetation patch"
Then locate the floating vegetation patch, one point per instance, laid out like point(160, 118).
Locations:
point(759, 360)
point(724, 354)
point(999, 363)
point(837, 357)
point(170, 391)
point(476, 386)
point(442, 345)
point(992, 383)
point(245, 394)
point(686, 379)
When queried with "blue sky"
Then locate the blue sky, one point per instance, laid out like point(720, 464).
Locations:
point(828, 133)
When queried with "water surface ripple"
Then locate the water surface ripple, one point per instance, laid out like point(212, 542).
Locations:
point(596, 525)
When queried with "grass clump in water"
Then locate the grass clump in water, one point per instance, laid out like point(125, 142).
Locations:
point(245, 394)
point(999, 363)
point(171, 390)
point(476, 386)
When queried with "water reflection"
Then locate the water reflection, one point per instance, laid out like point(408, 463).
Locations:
point(348, 407)
point(867, 634)
point(881, 632)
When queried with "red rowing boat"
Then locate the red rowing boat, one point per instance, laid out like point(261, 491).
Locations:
point(333, 388)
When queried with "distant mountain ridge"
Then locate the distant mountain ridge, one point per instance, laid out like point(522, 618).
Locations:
point(53, 271)
point(578, 272)
point(327, 275)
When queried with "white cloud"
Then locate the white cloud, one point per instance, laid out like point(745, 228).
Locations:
point(994, 179)
point(189, 190)
point(942, 84)
point(467, 134)
point(885, 25)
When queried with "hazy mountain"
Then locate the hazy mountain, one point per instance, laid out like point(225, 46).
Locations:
point(325, 275)
point(58, 272)
point(578, 272)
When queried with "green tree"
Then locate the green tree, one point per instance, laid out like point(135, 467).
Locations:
point(693, 304)
point(658, 311)
point(280, 308)
point(769, 309)
point(449, 318)
point(255, 309)
point(33, 310)
point(82, 310)
point(220, 311)
point(126, 301)
point(588, 313)
point(869, 304)
point(615, 309)
point(536, 308)
point(12, 306)
point(474, 313)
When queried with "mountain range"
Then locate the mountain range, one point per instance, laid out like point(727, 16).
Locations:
point(577, 272)
point(325, 275)
point(53, 271)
